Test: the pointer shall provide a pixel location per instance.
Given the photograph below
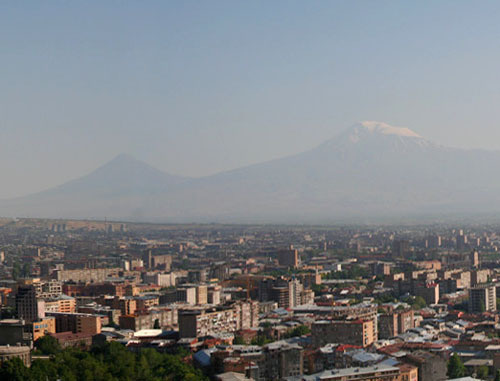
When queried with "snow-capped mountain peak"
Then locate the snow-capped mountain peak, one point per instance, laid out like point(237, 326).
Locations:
point(385, 129)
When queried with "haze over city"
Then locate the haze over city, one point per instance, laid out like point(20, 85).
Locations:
point(196, 89)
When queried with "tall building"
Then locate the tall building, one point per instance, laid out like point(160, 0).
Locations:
point(474, 259)
point(281, 360)
point(288, 257)
point(483, 298)
point(400, 248)
point(288, 293)
point(429, 291)
point(479, 277)
point(187, 294)
point(433, 241)
point(461, 240)
point(28, 306)
point(388, 325)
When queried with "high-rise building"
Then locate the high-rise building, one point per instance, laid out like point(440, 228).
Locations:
point(201, 294)
point(433, 241)
point(461, 240)
point(474, 259)
point(28, 306)
point(483, 298)
point(400, 248)
point(288, 257)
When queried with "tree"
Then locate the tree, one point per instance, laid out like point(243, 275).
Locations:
point(456, 367)
point(16, 271)
point(48, 345)
point(260, 340)
point(497, 376)
point(318, 288)
point(299, 331)
point(483, 372)
point(106, 362)
point(156, 324)
point(418, 303)
point(238, 340)
point(14, 370)
point(26, 270)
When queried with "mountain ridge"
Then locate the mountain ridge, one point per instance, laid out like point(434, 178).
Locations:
point(370, 169)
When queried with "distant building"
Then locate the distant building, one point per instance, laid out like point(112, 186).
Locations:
point(224, 319)
point(160, 279)
point(395, 323)
point(483, 298)
point(430, 366)
point(461, 240)
point(288, 257)
point(77, 323)
point(281, 360)
point(433, 242)
point(474, 259)
point(400, 248)
point(28, 306)
point(371, 373)
point(479, 276)
point(356, 332)
point(429, 292)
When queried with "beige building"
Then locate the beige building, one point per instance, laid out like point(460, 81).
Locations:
point(43, 326)
point(201, 294)
point(9, 352)
point(61, 303)
point(77, 323)
point(199, 322)
point(87, 275)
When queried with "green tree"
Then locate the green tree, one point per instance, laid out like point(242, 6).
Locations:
point(261, 340)
point(456, 367)
point(238, 340)
point(483, 372)
point(497, 376)
point(14, 370)
point(26, 271)
point(299, 331)
point(107, 362)
point(418, 303)
point(16, 270)
point(48, 345)
point(43, 370)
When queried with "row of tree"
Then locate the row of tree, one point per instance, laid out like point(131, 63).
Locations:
point(108, 362)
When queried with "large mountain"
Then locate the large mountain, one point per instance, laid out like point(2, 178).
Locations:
point(371, 170)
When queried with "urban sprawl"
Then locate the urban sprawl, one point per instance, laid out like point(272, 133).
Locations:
point(250, 302)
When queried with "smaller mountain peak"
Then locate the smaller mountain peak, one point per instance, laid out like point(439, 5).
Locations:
point(385, 129)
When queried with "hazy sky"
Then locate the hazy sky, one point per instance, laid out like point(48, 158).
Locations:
point(195, 87)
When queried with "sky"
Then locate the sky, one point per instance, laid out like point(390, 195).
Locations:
point(198, 87)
